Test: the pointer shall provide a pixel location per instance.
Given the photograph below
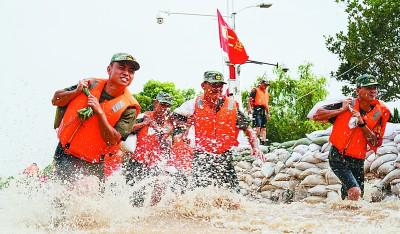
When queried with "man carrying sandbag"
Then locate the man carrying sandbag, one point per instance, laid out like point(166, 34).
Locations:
point(258, 106)
point(217, 122)
point(153, 149)
point(358, 126)
point(99, 113)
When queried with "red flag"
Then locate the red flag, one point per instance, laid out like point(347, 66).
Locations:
point(230, 42)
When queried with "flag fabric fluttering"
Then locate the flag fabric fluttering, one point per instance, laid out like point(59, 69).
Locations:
point(230, 42)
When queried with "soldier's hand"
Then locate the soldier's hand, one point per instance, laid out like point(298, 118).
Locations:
point(346, 103)
point(268, 116)
point(94, 104)
point(82, 84)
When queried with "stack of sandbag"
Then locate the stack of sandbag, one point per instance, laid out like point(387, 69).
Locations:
point(385, 165)
point(299, 170)
point(294, 171)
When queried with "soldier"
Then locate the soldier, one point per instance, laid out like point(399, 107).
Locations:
point(351, 141)
point(217, 122)
point(89, 142)
point(258, 102)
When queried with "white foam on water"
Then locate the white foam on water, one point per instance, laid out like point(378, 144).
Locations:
point(30, 206)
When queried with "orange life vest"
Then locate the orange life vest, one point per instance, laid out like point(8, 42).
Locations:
point(262, 98)
point(182, 154)
point(352, 142)
point(148, 149)
point(215, 132)
point(83, 139)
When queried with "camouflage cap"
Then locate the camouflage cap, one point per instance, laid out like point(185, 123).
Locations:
point(214, 77)
point(366, 80)
point(164, 97)
point(125, 57)
point(265, 82)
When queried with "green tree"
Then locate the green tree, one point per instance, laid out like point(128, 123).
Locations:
point(370, 45)
point(290, 102)
point(152, 88)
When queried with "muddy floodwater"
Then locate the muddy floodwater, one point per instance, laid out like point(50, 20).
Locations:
point(30, 206)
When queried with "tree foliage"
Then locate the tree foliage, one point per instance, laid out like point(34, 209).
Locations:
point(371, 45)
point(290, 101)
point(152, 88)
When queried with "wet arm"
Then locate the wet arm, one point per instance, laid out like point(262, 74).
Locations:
point(371, 136)
point(323, 115)
point(108, 132)
point(62, 97)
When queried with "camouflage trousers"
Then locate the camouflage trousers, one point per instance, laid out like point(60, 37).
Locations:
point(214, 170)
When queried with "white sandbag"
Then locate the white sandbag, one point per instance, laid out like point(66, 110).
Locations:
point(326, 147)
point(320, 140)
point(265, 181)
point(238, 169)
point(319, 190)
point(257, 174)
point(291, 184)
point(293, 172)
point(314, 147)
point(332, 195)
point(301, 149)
point(314, 199)
point(387, 150)
point(294, 158)
point(249, 179)
point(390, 143)
point(304, 166)
point(271, 157)
point(395, 181)
point(321, 156)
point(395, 188)
point(316, 134)
point(244, 165)
point(391, 131)
point(243, 185)
point(130, 143)
point(268, 169)
point(395, 174)
point(308, 157)
point(284, 157)
point(279, 166)
point(264, 149)
point(313, 180)
point(268, 187)
point(280, 151)
point(310, 171)
point(368, 161)
point(398, 147)
point(397, 139)
point(385, 168)
point(254, 169)
point(323, 165)
point(281, 177)
point(257, 182)
point(381, 160)
point(300, 193)
point(334, 187)
point(321, 104)
point(331, 178)
point(257, 163)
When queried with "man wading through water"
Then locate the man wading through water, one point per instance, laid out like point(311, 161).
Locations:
point(217, 122)
point(351, 141)
point(89, 140)
point(153, 148)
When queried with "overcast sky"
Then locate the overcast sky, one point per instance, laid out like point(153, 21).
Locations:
point(51, 44)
